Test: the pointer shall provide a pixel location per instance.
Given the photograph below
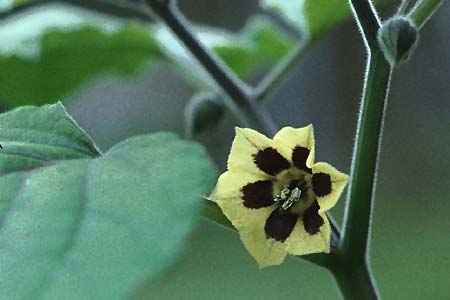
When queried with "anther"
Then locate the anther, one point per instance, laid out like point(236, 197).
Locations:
point(293, 198)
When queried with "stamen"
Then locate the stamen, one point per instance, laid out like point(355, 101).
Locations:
point(293, 197)
point(290, 194)
point(282, 196)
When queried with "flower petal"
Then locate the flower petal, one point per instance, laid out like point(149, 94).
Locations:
point(266, 251)
point(301, 242)
point(298, 145)
point(279, 224)
point(237, 194)
point(249, 222)
point(255, 153)
point(328, 184)
point(258, 194)
point(312, 221)
point(270, 161)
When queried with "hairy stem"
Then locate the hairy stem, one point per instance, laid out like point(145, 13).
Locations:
point(404, 7)
point(357, 218)
point(358, 213)
point(423, 10)
point(348, 263)
point(367, 19)
point(351, 269)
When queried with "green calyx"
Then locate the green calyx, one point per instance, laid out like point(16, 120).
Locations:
point(204, 109)
point(398, 38)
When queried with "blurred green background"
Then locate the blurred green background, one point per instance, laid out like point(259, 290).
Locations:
point(411, 228)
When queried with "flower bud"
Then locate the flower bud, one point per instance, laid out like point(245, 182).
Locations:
point(398, 38)
point(204, 109)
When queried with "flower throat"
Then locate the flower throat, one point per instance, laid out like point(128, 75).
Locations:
point(291, 193)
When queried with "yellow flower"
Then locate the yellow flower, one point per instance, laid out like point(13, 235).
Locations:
point(276, 196)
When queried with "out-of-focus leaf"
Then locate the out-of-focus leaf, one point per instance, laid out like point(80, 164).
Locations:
point(7, 4)
point(75, 224)
point(291, 11)
point(215, 266)
point(69, 58)
point(261, 46)
point(322, 15)
point(16, 2)
point(46, 55)
point(258, 46)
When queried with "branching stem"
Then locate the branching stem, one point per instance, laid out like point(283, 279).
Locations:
point(348, 262)
point(351, 268)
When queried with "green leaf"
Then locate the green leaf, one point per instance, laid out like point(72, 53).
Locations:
point(75, 224)
point(37, 135)
point(68, 58)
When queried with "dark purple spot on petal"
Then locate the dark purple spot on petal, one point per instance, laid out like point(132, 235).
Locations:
point(280, 224)
point(270, 161)
point(258, 194)
point(321, 184)
point(311, 219)
point(299, 157)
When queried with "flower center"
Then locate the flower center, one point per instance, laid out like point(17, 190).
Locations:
point(293, 192)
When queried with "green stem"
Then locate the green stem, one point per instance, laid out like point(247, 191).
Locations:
point(348, 263)
point(354, 280)
point(404, 7)
point(368, 21)
point(350, 267)
point(365, 158)
point(423, 10)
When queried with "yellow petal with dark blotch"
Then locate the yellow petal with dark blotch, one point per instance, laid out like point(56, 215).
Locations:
point(290, 139)
point(266, 251)
point(301, 242)
point(328, 184)
point(253, 152)
point(246, 191)
point(228, 194)
point(249, 222)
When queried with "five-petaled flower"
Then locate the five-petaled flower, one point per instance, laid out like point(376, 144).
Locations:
point(276, 196)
